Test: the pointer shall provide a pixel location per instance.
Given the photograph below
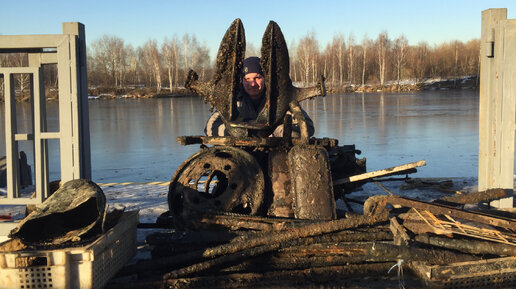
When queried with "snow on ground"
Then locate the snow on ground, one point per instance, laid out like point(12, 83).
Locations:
point(149, 200)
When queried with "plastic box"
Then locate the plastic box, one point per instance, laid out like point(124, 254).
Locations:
point(90, 266)
point(488, 273)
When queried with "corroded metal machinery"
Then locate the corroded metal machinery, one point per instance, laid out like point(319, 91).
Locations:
point(249, 172)
point(275, 200)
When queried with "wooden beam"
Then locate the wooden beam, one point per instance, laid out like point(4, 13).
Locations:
point(379, 173)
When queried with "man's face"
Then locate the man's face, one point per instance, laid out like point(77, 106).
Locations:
point(254, 84)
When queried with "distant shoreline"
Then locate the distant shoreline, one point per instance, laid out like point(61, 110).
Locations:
point(467, 82)
point(98, 93)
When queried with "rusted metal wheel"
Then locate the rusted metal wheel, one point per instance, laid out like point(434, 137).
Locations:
point(217, 179)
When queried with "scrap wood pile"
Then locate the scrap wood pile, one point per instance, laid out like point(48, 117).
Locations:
point(396, 242)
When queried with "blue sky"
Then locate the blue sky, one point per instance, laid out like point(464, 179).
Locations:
point(135, 22)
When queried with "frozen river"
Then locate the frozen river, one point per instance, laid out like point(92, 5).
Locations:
point(135, 140)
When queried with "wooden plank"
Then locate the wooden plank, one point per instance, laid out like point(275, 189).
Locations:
point(379, 173)
point(487, 105)
point(381, 201)
point(467, 269)
point(495, 102)
point(400, 233)
point(477, 197)
point(508, 68)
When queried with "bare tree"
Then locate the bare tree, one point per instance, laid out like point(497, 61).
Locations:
point(145, 68)
point(112, 62)
point(340, 47)
point(157, 63)
point(100, 59)
point(17, 60)
point(177, 55)
point(153, 56)
point(200, 58)
point(169, 55)
point(306, 52)
point(471, 52)
point(328, 63)
point(351, 41)
point(110, 57)
point(124, 64)
point(315, 68)
point(420, 60)
point(456, 66)
point(293, 61)
point(365, 43)
point(400, 51)
point(195, 56)
point(186, 53)
point(382, 47)
point(130, 64)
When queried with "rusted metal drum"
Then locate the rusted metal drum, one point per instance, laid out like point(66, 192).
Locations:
point(74, 212)
point(219, 178)
point(312, 186)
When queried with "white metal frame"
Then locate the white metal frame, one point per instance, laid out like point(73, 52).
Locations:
point(68, 50)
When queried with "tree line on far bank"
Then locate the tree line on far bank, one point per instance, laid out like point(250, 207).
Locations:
point(346, 62)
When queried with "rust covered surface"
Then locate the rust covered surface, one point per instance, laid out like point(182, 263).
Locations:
point(281, 203)
point(76, 211)
point(222, 91)
point(312, 186)
point(477, 197)
point(219, 178)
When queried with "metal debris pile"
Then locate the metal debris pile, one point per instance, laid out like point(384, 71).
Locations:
point(253, 211)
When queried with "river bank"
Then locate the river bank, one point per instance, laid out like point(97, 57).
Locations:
point(466, 82)
point(136, 92)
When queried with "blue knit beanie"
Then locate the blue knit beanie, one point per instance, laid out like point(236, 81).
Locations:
point(252, 65)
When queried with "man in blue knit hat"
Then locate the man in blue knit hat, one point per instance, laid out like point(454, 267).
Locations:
point(252, 78)
point(250, 102)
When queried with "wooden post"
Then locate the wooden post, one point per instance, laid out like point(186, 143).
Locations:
point(497, 103)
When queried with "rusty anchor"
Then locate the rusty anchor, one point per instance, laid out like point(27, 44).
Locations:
point(249, 172)
point(281, 95)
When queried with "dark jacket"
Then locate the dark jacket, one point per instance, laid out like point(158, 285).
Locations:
point(249, 111)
